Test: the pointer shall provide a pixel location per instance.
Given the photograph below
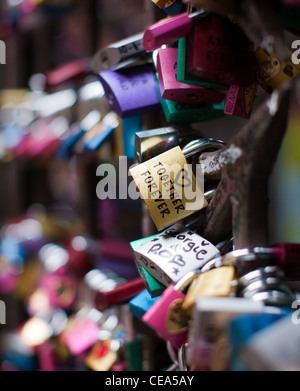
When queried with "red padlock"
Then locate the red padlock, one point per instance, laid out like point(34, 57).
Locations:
point(220, 52)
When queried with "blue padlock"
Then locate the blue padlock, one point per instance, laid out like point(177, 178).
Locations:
point(103, 133)
point(141, 303)
point(130, 126)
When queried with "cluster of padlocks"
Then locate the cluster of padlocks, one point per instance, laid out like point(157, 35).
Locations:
point(203, 281)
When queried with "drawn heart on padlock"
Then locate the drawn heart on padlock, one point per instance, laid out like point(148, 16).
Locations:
point(177, 320)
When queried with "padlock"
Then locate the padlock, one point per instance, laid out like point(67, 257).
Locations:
point(166, 315)
point(183, 76)
point(131, 91)
point(212, 283)
point(142, 173)
point(131, 126)
point(169, 30)
point(120, 294)
point(210, 317)
point(66, 148)
point(185, 113)
point(102, 132)
point(66, 74)
point(141, 303)
point(80, 334)
point(154, 287)
point(150, 143)
point(102, 356)
point(160, 3)
point(266, 284)
point(240, 100)
point(273, 71)
point(174, 253)
point(173, 7)
point(173, 90)
point(242, 329)
point(167, 184)
point(61, 289)
point(219, 51)
point(112, 56)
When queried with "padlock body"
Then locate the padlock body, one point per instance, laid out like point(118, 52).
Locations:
point(273, 71)
point(169, 187)
point(219, 51)
point(240, 101)
point(184, 76)
point(141, 303)
point(131, 91)
point(176, 91)
point(174, 253)
point(156, 316)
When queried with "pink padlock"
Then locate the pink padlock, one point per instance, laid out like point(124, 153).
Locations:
point(80, 335)
point(157, 316)
point(240, 101)
point(176, 91)
point(61, 290)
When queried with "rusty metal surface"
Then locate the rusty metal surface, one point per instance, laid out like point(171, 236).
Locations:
point(240, 203)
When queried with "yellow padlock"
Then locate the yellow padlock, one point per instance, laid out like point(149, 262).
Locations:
point(217, 282)
point(273, 71)
point(160, 3)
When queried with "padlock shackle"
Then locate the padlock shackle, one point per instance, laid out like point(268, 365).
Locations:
point(186, 280)
point(197, 146)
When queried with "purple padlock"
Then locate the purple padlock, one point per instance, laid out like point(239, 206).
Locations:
point(176, 91)
point(131, 91)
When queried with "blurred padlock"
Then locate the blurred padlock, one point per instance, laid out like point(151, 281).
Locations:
point(173, 90)
point(215, 282)
point(211, 315)
point(100, 133)
point(61, 289)
point(80, 334)
point(76, 132)
point(240, 100)
point(273, 71)
point(131, 91)
point(219, 51)
point(102, 356)
point(174, 253)
point(166, 315)
point(116, 53)
point(131, 126)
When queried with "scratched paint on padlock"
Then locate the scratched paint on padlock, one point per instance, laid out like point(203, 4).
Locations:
point(174, 253)
point(168, 187)
point(273, 71)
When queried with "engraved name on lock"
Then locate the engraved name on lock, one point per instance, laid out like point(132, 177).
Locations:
point(174, 253)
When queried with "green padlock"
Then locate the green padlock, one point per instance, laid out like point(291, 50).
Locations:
point(184, 76)
point(183, 112)
point(153, 286)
